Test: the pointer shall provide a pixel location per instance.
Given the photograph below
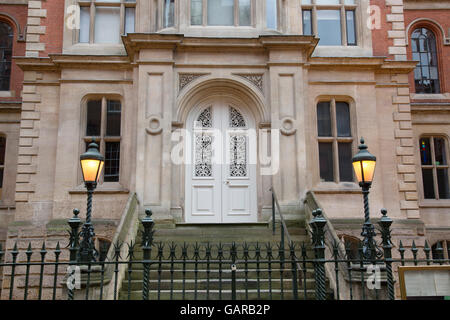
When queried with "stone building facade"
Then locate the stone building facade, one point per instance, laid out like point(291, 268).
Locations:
point(311, 77)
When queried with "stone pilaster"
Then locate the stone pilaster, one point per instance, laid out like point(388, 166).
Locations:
point(397, 30)
point(34, 29)
point(405, 148)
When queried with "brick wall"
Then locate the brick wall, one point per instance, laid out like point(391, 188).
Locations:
point(435, 20)
point(19, 13)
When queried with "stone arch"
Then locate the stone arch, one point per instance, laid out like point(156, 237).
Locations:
point(14, 23)
point(232, 87)
point(428, 23)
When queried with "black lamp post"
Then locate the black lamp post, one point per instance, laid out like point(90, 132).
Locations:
point(91, 165)
point(364, 165)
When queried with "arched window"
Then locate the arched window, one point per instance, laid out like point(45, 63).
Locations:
point(426, 74)
point(6, 42)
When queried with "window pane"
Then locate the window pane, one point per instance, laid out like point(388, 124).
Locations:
point(442, 177)
point(245, 13)
point(345, 162)
point(307, 23)
point(220, 12)
point(428, 185)
point(196, 12)
point(129, 20)
point(424, 50)
point(107, 25)
point(329, 27)
point(324, 119)
point(439, 151)
point(2, 150)
point(85, 24)
point(112, 161)
point(326, 161)
point(343, 119)
point(271, 14)
point(425, 151)
point(113, 118)
point(169, 13)
point(94, 117)
point(351, 29)
point(1, 177)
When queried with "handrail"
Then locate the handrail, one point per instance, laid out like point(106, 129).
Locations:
point(283, 230)
point(126, 232)
point(331, 240)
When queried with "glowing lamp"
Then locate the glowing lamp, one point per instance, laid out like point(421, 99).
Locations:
point(364, 165)
point(91, 164)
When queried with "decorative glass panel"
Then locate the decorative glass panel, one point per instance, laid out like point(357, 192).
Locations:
point(94, 117)
point(343, 119)
point(113, 116)
point(236, 119)
point(204, 120)
point(425, 151)
point(196, 12)
point(272, 14)
point(112, 161)
point(220, 12)
point(345, 162)
point(238, 156)
point(107, 25)
point(326, 161)
point(203, 155)
point(245, 13)
point(6, 41)
point(324, 119)
point(329, 27)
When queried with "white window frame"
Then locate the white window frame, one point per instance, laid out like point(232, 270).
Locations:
point(93, 4)
point(236, 15)
point(343, 8)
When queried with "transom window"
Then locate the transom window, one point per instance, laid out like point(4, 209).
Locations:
point(333, 21)
point(103, 124)
point(426, 74)
point(104, 21)
point(433, 156)
point(6, 43)
point(335, 141)
point(221, 12)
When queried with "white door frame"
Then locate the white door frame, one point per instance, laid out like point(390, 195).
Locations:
point(218, 197)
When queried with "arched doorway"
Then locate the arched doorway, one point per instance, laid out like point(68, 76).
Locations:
point(221, 163)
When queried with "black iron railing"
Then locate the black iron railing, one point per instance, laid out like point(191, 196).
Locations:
point(240, 271)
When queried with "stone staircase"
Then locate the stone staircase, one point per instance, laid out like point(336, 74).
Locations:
point(198, 281)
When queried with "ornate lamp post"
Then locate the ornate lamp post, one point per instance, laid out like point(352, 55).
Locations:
point(91, 165)
point(364, 165)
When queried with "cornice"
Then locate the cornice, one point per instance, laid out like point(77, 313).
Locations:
point(379, 64)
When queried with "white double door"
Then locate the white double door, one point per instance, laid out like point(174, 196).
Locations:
point(220, 171)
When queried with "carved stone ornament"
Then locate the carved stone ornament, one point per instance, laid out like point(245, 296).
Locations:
point(186, 78)
point(256, 79)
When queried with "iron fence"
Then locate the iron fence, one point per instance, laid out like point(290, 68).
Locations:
point(151, 270)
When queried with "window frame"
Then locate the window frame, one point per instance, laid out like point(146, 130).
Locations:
point(235, 16)
point(103, 138)
point(92, 5)
point(12, 53)
point(343, 8)
point(433, 165)
point(334, 138)
point(437, 41)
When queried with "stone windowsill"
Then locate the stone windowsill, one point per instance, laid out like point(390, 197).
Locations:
point(434, 96)
point(7, 94)
point(337, 188)
point(105, 188)
point(431, 203)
